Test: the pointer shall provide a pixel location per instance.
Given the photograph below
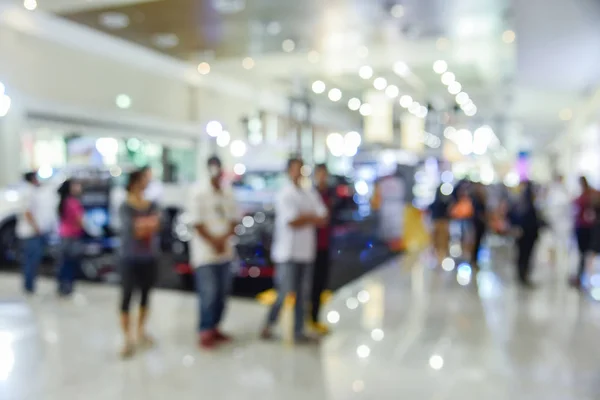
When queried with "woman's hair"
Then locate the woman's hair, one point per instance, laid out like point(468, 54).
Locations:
point(584, 182)
point(64, 191)
point(134, 178)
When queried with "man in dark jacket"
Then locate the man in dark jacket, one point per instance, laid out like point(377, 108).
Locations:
point(322, 261)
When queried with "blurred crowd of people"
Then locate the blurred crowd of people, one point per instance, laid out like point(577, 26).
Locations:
point(521, 214)
point(300, 248)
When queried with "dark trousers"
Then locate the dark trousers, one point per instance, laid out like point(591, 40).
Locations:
point(69, 265)
point(479, 233)
point(289, 277)
point(33, 252)
point(320, 279)
point(584, 236)
point(137, 275)
point(213, 283)
point(525, 246)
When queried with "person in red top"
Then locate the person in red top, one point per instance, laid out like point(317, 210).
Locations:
point(70, 213)
point(584, 222)
point(322, 261)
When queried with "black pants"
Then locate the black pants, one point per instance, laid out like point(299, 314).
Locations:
point(137, 275)
point(319, 282)
point(584, 237)
point(479, 233)
point(525, 246)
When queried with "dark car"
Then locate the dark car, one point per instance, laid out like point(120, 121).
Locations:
point(255, 194)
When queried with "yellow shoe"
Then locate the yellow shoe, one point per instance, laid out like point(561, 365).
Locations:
point(319, 328)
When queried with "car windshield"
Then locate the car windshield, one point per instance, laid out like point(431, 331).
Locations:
point(260, 180)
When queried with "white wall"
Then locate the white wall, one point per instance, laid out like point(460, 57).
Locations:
point(49, 71)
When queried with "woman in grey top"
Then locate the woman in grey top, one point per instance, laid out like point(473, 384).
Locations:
point(138, 256)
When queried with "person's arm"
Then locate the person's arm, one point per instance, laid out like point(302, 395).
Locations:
point(29, 217)
point(153, 220)
point(30, 205)
point(76, 209)
point(321, 212)
point(287, 209)
point(198, 213)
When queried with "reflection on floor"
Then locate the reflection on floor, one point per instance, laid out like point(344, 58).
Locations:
point(400, 333)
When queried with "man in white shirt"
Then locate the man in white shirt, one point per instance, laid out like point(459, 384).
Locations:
point(298, 211)
point(214, 215)
point(34, 223)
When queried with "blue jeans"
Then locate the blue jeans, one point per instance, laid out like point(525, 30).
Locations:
point(213, 283)
point(33, 252)
point(290, 277)
point(69, 264)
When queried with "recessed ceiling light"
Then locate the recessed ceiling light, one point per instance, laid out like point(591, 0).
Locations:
point(365, 72)
point(508, 36)
point(392, 91)
point(448, 78)
point(318, 87)
point(30, 4)
point(204, 68)
point(288, 45)
point(462, 98)
point(123, 101)
point(414, 107)
point(335, 94)
point(313, 56)
point(454, 88)
point(565, 114)
point(471, 111)
point(380, 83)
point(401, 69)
point(165, 40)
point(397, 11)
point(440, 66)
point(248, 63)
point(114, 20)
point(406, 101)
point(354, 104)
point(366, 110)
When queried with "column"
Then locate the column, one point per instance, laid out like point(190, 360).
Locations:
point(379, 125)
point(11, 127)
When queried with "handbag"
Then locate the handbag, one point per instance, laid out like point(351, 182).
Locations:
point(463, 209)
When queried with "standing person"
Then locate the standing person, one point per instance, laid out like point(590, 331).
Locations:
point(559, 212)
point(214, 216)
point(70, 214)
point(480, 220)
point(34, 223)
point(524, 217)
point(462, 211)
point(139, 257)
point(322, 261)
point(440, 215)
point(584, 222)
point(297, 212)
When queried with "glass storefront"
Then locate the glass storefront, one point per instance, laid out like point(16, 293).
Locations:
point(54, 149)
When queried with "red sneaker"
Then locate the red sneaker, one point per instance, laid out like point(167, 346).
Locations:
point(221, 337)
point(208, 340)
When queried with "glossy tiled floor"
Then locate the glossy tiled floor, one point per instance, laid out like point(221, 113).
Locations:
point(400, 333)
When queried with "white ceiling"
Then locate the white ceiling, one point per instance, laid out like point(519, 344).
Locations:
point(551, 65)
